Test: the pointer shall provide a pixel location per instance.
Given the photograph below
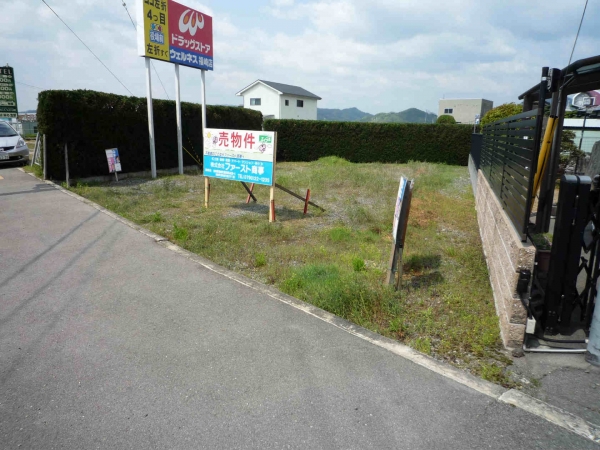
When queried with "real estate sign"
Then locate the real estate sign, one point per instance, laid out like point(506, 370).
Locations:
point(114, 161)
point(175, 33)
point(240, 155)
point(8, 93)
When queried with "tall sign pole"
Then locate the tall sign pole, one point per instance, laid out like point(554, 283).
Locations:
point(203, 88)
point(171, 32)
point(178, 111)
point(150, 117)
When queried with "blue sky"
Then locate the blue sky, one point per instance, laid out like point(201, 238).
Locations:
point(377, 55)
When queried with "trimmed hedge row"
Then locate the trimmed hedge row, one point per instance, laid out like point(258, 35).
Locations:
point(304, 140)
point(90, 122)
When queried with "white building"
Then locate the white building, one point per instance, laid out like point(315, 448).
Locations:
point(280, 101)
point(464, 110)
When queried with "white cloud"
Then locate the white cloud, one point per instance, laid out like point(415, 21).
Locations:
point(380, 55)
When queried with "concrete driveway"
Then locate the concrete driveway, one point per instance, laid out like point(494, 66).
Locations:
point(111, 340)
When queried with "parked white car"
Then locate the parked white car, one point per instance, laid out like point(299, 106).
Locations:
point(13, 148)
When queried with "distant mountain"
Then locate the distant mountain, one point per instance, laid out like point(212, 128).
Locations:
point(411, 115)
point(342, 115)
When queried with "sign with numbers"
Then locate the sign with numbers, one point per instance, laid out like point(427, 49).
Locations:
point(240, 155)
point(175, 33)
point(8, 93)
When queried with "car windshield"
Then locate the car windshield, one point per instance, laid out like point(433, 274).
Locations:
point(6, 130)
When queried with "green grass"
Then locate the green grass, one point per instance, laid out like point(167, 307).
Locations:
point(337, 259)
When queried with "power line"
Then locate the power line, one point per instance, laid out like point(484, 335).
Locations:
point(31, 86)
point(578, 30)
point(44, 1)
point(155, 71)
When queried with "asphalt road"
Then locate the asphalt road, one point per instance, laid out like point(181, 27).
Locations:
point(110, 340)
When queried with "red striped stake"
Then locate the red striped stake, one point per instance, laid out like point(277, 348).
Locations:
point(249, 196)
point(306, 201)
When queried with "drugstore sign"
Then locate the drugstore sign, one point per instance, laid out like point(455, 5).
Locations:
point(175, 33)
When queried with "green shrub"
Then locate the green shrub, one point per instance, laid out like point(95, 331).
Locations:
point(91, 122)
point(357, 142)
point(501, 112)
point(445, 118)
point(260, 260)
point(358, 264)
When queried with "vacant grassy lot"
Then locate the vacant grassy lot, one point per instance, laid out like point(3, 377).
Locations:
point(337, 259)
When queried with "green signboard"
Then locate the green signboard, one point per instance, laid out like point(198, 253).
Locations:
point(8, 93)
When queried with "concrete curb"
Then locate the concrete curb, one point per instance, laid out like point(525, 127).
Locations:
point(513, 397)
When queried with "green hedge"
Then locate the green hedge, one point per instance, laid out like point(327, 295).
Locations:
point(90, 122)
point(304, 140)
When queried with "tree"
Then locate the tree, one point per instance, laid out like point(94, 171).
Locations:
point(569, 152)
point(501, 112)
point(445, 118)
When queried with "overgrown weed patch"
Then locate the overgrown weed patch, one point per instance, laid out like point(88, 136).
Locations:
point(337, 259)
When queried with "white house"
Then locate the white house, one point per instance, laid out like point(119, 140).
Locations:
point(280, 101)
point(464, 110)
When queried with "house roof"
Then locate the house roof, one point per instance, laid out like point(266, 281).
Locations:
point(283, 89)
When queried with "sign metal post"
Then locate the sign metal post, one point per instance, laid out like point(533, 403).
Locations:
point(203, 89)
point(150, 117)
point(178, 111)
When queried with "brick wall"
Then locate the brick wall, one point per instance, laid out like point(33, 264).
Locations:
point(505, 255)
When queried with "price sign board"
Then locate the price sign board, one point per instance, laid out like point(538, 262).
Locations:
point(8, 93)
point(240, 155)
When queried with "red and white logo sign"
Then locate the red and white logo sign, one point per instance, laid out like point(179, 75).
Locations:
point(190, 30)
point(191, 21)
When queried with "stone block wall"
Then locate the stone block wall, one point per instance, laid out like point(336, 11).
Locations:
point(505, 255)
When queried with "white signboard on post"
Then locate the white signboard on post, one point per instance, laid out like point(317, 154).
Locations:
point(399, 198)
point(240, 155)
point(114, 161)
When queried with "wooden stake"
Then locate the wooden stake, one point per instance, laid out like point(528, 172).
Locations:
point(249, 191)
point(306, 201)
point(272, 205)
point(206, 191)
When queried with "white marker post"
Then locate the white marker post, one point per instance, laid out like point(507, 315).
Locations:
point(67, 166)
point(45, 160)
point(178, 110)
point(150, 117)
point(206, 180)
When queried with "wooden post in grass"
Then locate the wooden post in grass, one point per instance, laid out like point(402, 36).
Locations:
point(206, 191)
point(306, 201)
point(272, 204)
point(249, 191)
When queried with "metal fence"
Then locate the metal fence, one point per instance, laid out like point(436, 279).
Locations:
point(508, 160)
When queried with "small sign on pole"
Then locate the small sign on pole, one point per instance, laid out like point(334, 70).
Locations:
point(114, 161)
point(394, 274)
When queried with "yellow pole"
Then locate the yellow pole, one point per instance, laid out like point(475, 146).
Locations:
point(544, 153)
